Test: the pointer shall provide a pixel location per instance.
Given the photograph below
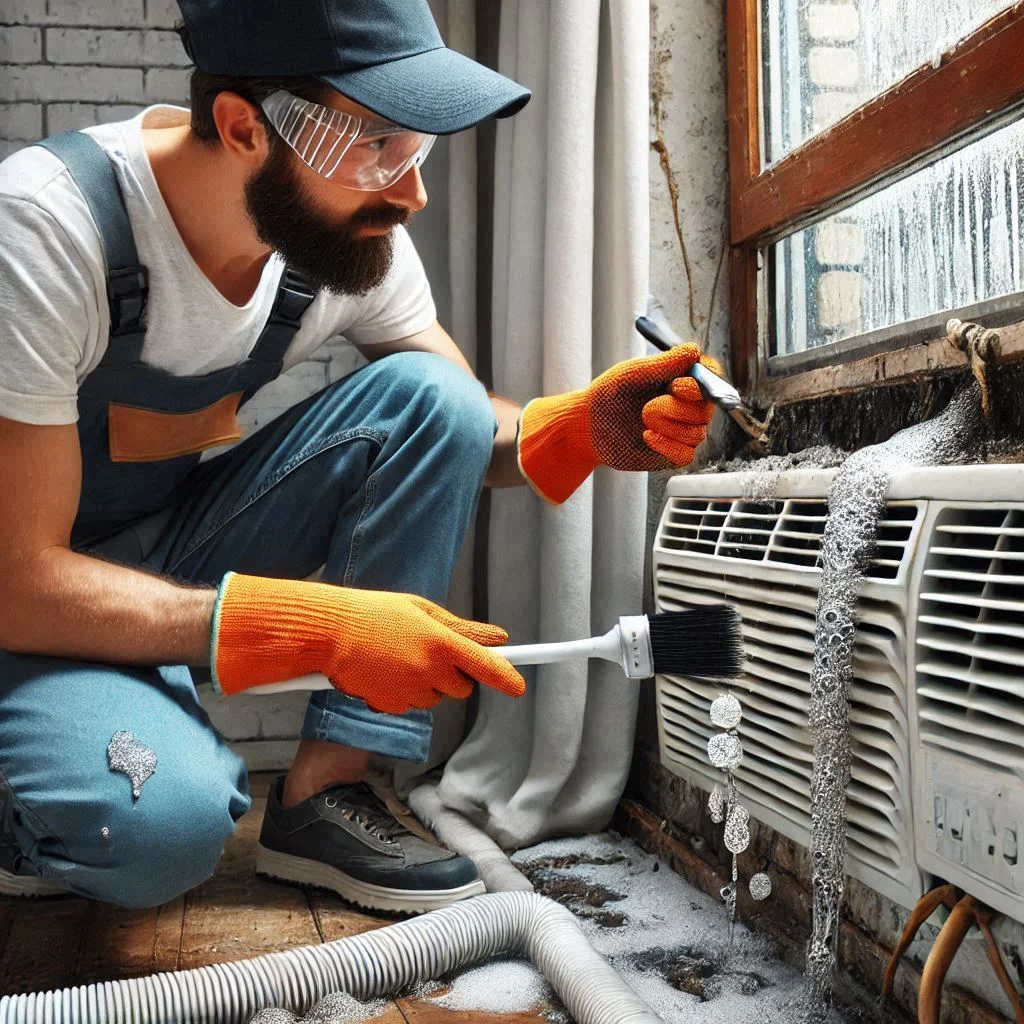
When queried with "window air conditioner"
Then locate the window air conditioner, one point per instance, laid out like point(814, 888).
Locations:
point(937, 703)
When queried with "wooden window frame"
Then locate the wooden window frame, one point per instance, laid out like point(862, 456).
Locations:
point(974, 84)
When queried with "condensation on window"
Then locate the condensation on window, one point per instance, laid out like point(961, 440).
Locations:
point(824, 58)
point(946, 237)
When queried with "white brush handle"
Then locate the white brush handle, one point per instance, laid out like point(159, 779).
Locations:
point(606, 647)
point(609, 647)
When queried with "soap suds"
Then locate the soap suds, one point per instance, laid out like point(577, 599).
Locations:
point(669, 941)
point(337, 1008)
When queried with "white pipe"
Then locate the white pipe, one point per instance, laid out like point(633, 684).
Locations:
point(499, 874)
point(372, 964)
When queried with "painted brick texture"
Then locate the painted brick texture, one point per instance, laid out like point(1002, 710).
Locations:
point(69, 63)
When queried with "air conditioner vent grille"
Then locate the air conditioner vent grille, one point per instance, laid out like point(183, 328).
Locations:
point(787, 532)
point(778, 629)
point(970, 636)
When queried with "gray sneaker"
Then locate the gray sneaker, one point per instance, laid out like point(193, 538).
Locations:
point(345, 839)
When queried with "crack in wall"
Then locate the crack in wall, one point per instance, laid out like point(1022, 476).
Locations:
point(714, 284)
point(659, 92)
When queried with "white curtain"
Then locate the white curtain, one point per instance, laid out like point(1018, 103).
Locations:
point(570, 252)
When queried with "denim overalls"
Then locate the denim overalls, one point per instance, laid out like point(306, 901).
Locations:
point(374, 480)
point(123, 484)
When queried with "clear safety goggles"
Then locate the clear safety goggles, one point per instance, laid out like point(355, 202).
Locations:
point(355, 152)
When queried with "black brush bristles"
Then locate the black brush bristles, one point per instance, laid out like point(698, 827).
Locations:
point(704, 642)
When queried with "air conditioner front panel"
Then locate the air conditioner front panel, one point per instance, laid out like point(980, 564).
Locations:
point(763, 558)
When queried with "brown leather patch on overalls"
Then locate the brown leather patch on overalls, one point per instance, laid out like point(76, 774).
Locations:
point(145, 435)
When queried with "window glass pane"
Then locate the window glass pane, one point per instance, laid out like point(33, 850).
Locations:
point(823, 58)
point(943, 238)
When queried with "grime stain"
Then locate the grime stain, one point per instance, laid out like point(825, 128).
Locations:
point(126, 754)
point(573, 860)
point(855, 418)
point(691, 971)
point(585, 899)
point(574, 892)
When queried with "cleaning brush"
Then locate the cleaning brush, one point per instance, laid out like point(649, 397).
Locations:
point(704, 642)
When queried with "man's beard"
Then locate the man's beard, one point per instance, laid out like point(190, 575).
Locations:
point(325, 251)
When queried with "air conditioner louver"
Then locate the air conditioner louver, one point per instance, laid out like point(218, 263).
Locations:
point(971, 637)
point(778, 755)
point(969, 662)
point(763, 557)
point(787, 532)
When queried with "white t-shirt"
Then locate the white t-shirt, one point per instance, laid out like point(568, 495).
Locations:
point(54, 318)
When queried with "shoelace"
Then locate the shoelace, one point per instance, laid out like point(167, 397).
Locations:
point(361, 804)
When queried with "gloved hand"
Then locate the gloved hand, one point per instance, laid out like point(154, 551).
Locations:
point(643, 414)
point(394, 651)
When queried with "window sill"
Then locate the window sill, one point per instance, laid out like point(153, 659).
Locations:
point(928, 356)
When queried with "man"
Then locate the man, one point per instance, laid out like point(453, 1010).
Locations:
point(153, 275)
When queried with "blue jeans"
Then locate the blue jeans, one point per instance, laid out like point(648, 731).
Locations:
point(376, 478)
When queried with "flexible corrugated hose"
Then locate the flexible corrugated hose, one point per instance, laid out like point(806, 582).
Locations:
point(372, 964)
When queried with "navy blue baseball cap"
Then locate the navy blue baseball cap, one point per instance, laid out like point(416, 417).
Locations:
point(387, 55)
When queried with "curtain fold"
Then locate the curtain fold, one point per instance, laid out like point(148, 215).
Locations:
point(570, 258)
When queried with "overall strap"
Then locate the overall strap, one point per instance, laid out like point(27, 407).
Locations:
point(294, 296)
point(127, 281)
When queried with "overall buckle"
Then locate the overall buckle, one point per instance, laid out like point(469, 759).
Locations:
point(127, 294)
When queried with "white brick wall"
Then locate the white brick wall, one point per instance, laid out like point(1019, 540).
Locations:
point(839, 299)
point(21, 44)
point(69, 63)
point(838, 242)
point(22, 120)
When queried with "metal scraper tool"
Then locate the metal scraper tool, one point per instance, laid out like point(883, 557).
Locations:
point(713, 387)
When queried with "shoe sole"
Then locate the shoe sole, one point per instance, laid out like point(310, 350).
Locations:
point(288, 868)
point(29, 886)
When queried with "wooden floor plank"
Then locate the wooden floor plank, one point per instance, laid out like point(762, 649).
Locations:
point(391, 1015)
point(120, 943)
point(338, 919)
point(235, 914)
point(43, 944)
point(167, 941)
point(419, 1011)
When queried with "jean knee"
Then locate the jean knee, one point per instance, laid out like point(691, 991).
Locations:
point(151, 851)
point(452, 401)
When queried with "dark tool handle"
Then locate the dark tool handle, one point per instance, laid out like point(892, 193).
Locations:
point(719, 391)
point(656, 334)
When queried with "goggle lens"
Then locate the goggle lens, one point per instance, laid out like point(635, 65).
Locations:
point(353, 152)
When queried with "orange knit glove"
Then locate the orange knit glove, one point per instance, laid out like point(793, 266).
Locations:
point(394, 651)
point(642, 414)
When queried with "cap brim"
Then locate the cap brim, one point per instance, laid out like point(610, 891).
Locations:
point(438, 92)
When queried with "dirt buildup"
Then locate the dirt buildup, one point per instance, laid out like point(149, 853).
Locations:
point(585, 899)
point(694, 976)
point(690, 970)
point(571, 891)
point(573, 860)
point(609, 919)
